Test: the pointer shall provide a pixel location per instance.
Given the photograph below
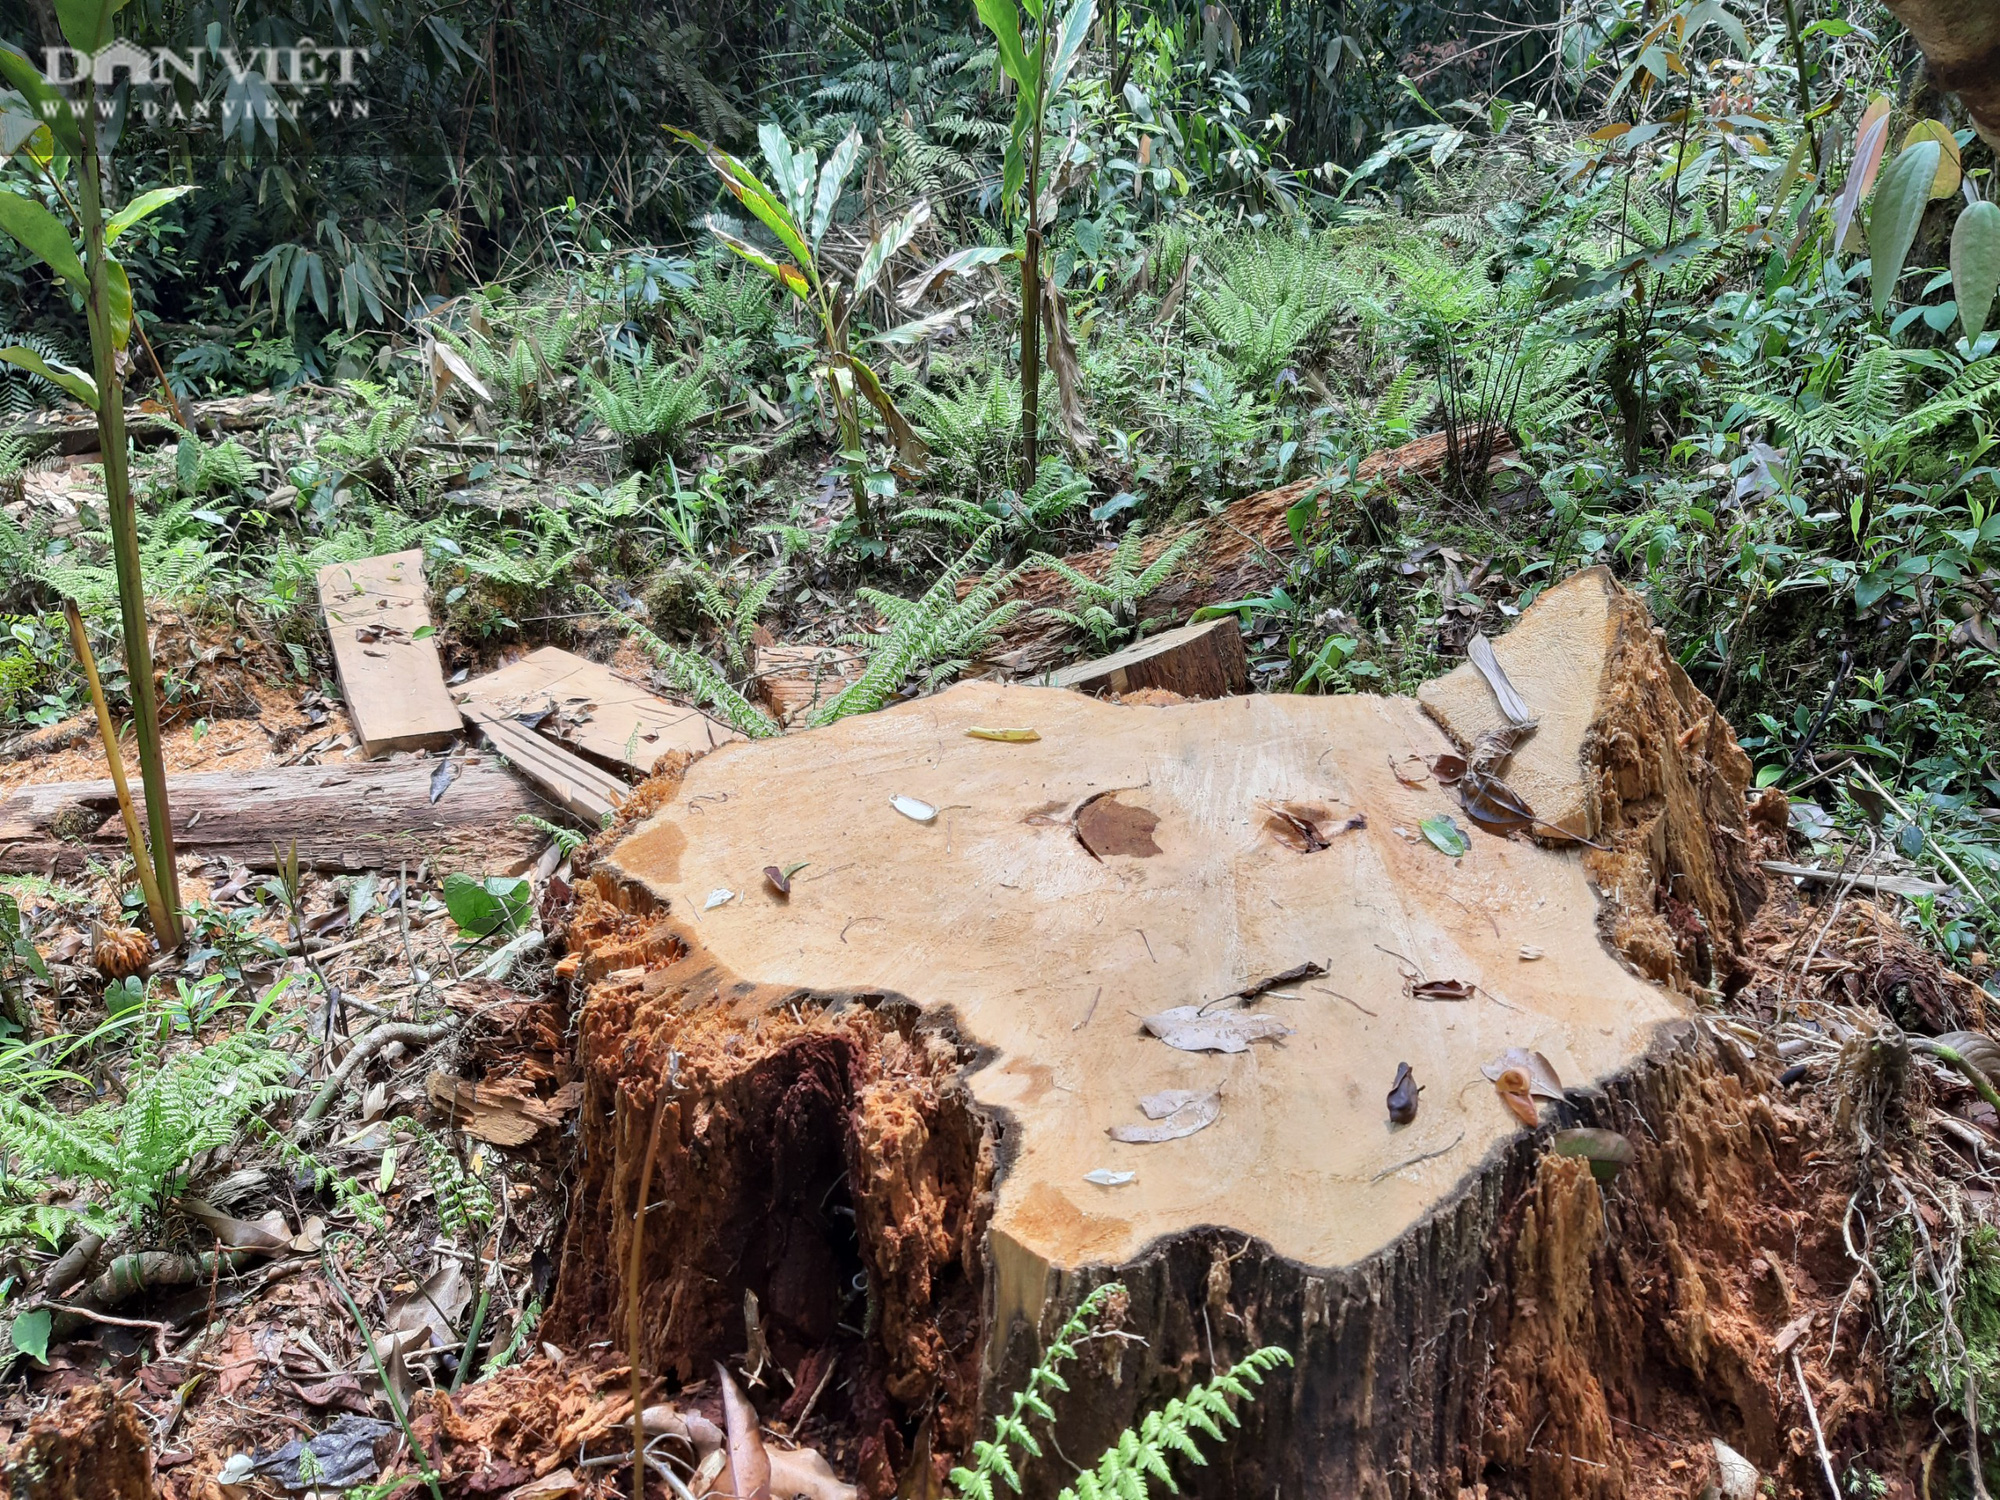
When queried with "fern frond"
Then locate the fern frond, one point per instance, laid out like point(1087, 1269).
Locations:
point(691, 674)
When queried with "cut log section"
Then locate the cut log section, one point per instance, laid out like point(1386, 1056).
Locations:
point(958, 1024)
point(354, 816)
point(1195, 661)
point(1628, 753)
point(795, 680)
point(378, 619)
point(592, 710)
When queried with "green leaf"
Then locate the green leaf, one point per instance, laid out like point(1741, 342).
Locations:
point(483, 907)
point(1005, 23)
point(49, 106)
point(1075, 27)
point(750, 190)
point(838, 168)
point(42, 232)
point(30, 1333)
point(1899, 203)
point(1442, 830)
point(68, 377)
point(1975, 265)
point(794, 170)
point(141, 207)
point(790, 277)
point(118, 301)
point(882, 249)
point(86, 24)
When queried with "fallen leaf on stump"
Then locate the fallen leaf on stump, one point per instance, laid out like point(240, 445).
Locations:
point(1178, 1113)
point(1512, 1086)
point(1403, 1096)
point(1187, 1029)
point(1541, 1073)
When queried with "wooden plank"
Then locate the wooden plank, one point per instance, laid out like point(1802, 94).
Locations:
point(391, 679)
point(355, 815)
point(1196, 661)
point(568, 780)
point(595, 711)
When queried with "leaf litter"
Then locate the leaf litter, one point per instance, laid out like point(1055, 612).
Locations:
point(1177, 1113)
point(1186, 1029)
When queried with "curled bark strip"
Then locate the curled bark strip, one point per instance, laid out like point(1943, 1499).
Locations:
point(72, 1265)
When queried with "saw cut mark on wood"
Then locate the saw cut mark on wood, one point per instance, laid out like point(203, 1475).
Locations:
point(995, 921)
point(1196, 661)
point(353, 816)
point(570, 781)
point(390, 676)
point(591, 710)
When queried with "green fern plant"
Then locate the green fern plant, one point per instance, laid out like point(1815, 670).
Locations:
point(1269, 301)
point(1141, 1453)
point(1056, 492)
point(464, 1202)
point(134, 1150)
point(566, 840)
point(931, 638)
point(973, 430)
point(1109, 606)
point(650, 404)
point(735, 618)
point(201, 470)
point(377, 452)
point(692, 674)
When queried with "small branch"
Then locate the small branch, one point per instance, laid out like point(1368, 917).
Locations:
point(410, 1033)
point(159, 1330)
point(1819, 1437)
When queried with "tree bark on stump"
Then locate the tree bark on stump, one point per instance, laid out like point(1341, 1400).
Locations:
point(878, 1094)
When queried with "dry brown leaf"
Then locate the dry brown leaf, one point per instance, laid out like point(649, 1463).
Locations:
point(1541, 1073)
point(1479, 651)
point(1443, 989)
point(1410, 769)
point(748, 1464)
point(804, 1472)
point(270, 1234)
point(1188, 1030)
point(1060, 349)
point(1177, 1113)
point(1512, 1086)
point(1447, 768)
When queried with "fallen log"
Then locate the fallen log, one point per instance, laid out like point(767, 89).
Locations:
point(923, 1068)
point(351, 816)
point(1242, 551)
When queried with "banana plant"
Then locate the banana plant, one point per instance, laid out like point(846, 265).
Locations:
point(799, 211)
point(1039, 76)
point(58, 142)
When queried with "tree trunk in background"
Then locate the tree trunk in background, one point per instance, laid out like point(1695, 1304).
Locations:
point(1961, 42)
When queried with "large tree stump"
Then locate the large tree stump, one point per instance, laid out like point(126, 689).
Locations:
point(893, 1083)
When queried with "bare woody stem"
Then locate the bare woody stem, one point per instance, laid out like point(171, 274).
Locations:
point(166, 923)
point(124, 524)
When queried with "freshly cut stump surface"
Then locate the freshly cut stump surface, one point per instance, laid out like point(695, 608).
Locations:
point(1049, 955)
point(896, 1084)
